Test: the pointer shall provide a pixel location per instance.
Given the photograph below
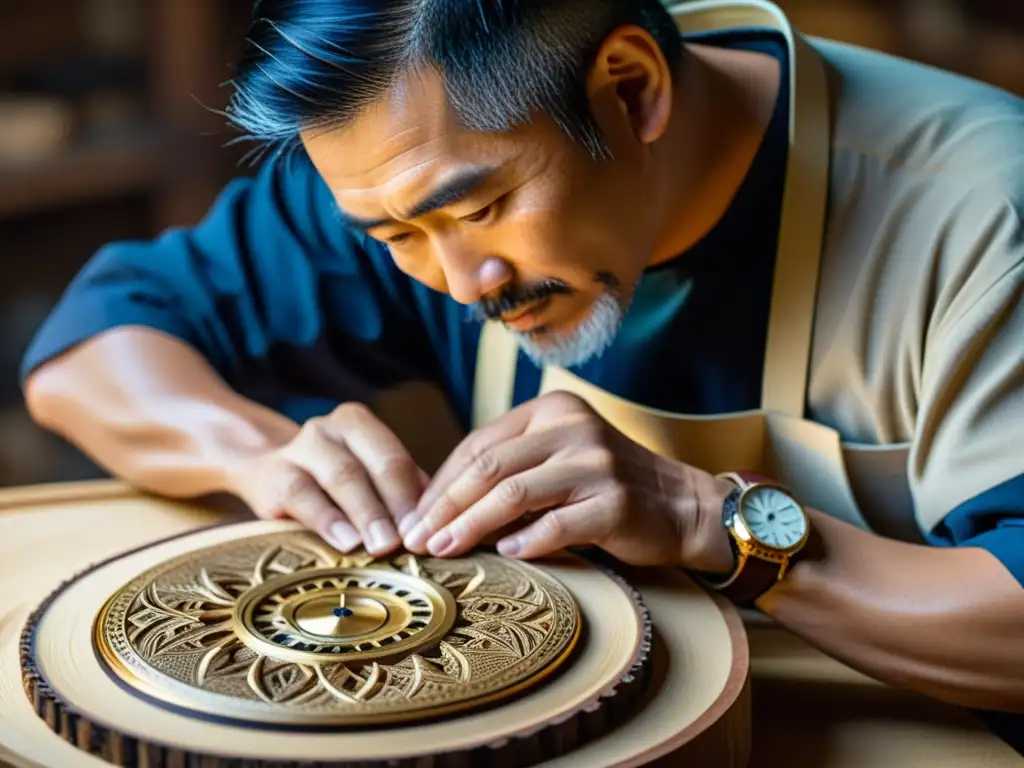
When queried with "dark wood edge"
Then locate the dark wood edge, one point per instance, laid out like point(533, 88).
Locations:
point(551, 738)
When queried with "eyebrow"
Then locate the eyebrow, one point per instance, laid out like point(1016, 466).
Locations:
point(453, 190)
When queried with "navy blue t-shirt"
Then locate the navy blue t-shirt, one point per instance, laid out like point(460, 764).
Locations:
point(286, 304)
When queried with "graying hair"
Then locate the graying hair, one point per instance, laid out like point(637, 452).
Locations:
point(313, 64)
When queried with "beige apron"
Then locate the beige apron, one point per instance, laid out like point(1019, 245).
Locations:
point(862, 484)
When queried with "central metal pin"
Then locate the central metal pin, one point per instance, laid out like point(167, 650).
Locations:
point(341, 611)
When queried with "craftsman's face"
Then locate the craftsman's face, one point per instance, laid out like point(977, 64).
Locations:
point(525, 226)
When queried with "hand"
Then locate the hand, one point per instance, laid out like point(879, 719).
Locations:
point(555, 471)
point(346, 476)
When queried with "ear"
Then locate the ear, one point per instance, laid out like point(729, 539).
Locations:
point(631, 79)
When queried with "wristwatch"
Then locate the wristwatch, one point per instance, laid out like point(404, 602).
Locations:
point(767, 527)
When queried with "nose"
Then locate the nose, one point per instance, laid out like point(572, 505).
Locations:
point(470, 278)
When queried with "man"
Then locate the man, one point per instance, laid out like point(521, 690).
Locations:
point(644, 216)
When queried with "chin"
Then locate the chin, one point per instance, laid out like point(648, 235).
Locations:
point(573, 345)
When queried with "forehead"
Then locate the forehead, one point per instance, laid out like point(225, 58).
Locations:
point(406, 141)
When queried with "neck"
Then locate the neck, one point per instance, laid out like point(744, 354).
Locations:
point(706, 159)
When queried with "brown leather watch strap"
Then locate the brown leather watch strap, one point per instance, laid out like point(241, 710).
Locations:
point(755, 578)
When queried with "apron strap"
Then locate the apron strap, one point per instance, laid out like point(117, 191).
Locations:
point(497, 354)
point(801, 230)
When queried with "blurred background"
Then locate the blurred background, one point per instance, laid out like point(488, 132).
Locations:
point(106, 133)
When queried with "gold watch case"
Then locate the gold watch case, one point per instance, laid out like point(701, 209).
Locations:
point(748, 543)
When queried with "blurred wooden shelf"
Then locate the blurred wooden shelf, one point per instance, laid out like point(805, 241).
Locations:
point(82, 174)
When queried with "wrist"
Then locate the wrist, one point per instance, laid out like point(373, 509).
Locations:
point(707, 546)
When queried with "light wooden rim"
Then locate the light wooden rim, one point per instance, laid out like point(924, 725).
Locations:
point(737, 681)
point(731, 694)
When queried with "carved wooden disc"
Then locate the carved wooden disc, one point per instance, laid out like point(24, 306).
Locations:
point(66, 550)
point(280, 629)
point(261, 626)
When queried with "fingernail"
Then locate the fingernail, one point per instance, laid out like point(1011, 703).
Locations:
point(417, 536)
point(406, 523)
point(440, 542)
point(510, 547)
point(343, 536)
point(381, 535)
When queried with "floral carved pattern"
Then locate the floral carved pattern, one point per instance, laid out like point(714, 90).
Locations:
point(174, 633)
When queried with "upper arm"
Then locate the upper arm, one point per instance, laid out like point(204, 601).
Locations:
point(267, 276)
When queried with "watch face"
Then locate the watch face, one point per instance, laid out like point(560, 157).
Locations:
point(773, 517)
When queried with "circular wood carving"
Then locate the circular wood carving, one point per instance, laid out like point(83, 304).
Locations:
point(282, 630)
point(670, 686)
point(278, 630)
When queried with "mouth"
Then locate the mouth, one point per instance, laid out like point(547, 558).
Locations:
point(525, 319)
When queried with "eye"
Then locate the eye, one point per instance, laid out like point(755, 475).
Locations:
point(479, 216)
point(484, 213)
point(399, 238)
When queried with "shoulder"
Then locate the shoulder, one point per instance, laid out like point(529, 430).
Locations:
point(924, 239)
point(930, 166)
point(926, 136)
point(919, 119)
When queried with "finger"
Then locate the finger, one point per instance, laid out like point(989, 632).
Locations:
point(395, 475)
point(587, 522)
point(309, 505)
point(551, 485)
point(344, 479)
point(491, 469)
point(505, 427)
point(408, 522)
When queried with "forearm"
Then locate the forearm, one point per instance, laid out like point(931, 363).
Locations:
point(151, 411)
point(946, 622)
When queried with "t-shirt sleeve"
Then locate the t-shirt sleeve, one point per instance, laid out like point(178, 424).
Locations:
point(967, 457)
point(269, 287)
point(992, 520)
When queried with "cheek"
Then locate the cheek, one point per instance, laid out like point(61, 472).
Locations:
point(586, 239)
point(560, 238)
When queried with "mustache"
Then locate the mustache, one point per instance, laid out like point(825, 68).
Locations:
point(514, 297)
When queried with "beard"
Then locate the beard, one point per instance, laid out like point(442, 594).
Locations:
point(564, 349)
point(577, 346)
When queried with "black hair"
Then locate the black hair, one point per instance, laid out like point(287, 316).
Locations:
point(315, 63)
